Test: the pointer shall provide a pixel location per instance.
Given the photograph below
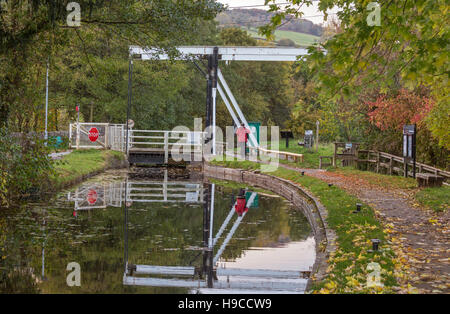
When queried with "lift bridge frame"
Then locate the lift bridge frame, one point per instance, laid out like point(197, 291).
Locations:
point(214, 77)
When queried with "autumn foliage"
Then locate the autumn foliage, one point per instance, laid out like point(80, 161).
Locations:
point(393, 112)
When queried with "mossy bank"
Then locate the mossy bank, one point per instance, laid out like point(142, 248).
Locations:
point(82, 164)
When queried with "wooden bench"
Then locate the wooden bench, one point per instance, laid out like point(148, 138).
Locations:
point(322, 162)
point(429, 180)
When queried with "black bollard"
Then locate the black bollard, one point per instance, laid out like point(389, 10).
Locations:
point(358, 209)
point(375, 244)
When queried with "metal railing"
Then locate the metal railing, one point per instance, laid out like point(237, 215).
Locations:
point(169, 142)
point(110, 136)
point(163, 139)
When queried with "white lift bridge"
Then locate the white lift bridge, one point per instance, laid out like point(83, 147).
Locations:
point(215, 79)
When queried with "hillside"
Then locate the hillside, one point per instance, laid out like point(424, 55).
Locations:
point(295, 32)
point(287, 38)
point(255, 18)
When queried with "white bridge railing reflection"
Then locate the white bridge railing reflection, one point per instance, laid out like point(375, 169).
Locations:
point(112, 194)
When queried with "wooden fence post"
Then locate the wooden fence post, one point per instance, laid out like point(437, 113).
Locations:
point(378, 162)
point(390, 166)
point(335, 155)
point(405, 167)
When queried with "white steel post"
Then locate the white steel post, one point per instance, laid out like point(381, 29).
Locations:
point(227, 104)
point(78, 135)
point(210, 242)
point(236, 106)
point(70, 135)
point(78, 127)
point(46, 105)
point(166, 147)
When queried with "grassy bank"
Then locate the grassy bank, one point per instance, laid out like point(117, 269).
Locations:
point(310, 156)
point(79, 164)
point(300, 39)
point(349, 268)
point(435, 198)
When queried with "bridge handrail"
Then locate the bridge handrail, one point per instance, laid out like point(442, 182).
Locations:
point(166, 131)
point(167, 141)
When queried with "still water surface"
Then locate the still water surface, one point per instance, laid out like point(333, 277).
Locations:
point(86, 225)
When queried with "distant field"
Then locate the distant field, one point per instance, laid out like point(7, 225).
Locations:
point(299, 38)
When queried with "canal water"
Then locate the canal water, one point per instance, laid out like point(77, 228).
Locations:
point(165, 231)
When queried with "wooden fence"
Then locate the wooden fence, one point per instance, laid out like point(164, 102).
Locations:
point(394, 164)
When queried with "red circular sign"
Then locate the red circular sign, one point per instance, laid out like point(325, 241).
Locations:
point(93, 134)
point(92, 196)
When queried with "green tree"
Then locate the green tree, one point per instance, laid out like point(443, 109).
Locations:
point(408, 48)
point(39, 28)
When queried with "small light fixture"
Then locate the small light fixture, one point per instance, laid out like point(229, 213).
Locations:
point(375, 244)
point(358, 208)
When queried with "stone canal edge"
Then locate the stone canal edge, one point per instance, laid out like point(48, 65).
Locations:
point(314, 211)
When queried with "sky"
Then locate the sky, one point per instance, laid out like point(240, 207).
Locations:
point(310, 13)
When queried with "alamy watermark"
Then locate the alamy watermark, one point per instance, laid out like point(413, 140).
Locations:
point(74, 17)
point(74, 277)
point(374, 17)
point(374, 277)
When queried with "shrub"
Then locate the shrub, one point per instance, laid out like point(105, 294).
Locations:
point(25, 166)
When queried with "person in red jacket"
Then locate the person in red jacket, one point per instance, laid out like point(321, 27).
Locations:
point(240, 207)
point(242, 137)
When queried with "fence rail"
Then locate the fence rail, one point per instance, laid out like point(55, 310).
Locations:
point(387, 161)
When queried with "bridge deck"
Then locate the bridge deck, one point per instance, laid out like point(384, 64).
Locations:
point(146, 150)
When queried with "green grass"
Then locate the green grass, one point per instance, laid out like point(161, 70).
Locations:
point(435, 198)
point(300, 39)
point(80, 163)
point(237, 185)
point(310, 156)
point(348, 266)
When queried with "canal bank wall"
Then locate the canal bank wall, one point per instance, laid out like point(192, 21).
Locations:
point(314, 211)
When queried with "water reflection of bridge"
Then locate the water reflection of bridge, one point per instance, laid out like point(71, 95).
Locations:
point(112, 194)
point(205, 278)
point(208, 277)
